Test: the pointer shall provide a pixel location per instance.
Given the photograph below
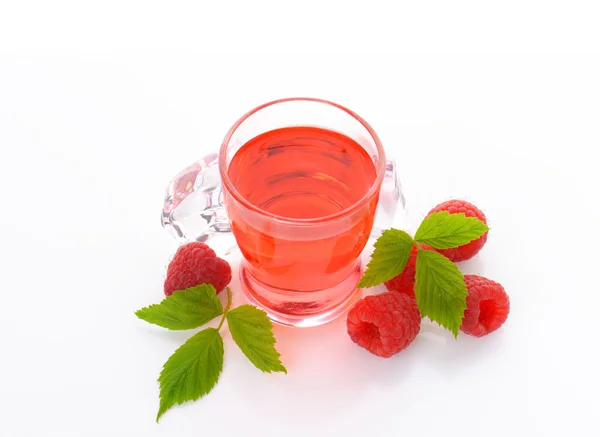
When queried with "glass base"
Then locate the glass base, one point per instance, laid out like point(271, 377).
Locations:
point(302, 309)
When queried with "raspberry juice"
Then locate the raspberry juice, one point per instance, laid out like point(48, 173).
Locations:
point(296, 179)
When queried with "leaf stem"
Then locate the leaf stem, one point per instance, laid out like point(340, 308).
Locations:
point(226, 310)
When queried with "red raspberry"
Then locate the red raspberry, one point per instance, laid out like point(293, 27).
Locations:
point(469, 250)
point(487, 306)
point(196, 263)
point(405, 281)
point(384, 324)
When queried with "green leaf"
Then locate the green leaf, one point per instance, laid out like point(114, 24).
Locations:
point(440, 290)
point(184, 309)
point(253, 332)
point(392, 251)
point(192, 371)
point(443, 230)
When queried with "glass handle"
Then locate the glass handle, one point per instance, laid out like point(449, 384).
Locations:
point(392, 204)
point(194, 207)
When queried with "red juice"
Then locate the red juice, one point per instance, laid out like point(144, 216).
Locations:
point(301, 172)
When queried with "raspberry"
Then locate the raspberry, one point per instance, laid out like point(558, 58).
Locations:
point(405, 281)
point(193, 264)
point(469, 250)
point(487, 306)
point(384, 324)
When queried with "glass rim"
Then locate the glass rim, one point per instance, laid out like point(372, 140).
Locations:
point(232, 191)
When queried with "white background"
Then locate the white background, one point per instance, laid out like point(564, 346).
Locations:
point(102, 103)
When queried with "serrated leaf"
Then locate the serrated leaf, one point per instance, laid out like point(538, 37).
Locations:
point(184, 309)
point(440, 290)
point(443, 230)
point(392, 251)
point(192, 371)
point(252, 331)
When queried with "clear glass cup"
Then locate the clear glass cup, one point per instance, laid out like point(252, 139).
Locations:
point(301, 271)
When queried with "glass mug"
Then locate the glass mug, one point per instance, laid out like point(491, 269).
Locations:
point(301, 267)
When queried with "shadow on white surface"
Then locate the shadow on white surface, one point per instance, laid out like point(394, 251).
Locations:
point(452, 356)
point(474, 266)
point(327, 372)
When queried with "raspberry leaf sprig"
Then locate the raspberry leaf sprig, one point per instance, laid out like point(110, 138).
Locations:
point(440, 288)
point(194, 369)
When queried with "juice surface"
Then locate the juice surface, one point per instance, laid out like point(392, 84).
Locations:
point(302, 172)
